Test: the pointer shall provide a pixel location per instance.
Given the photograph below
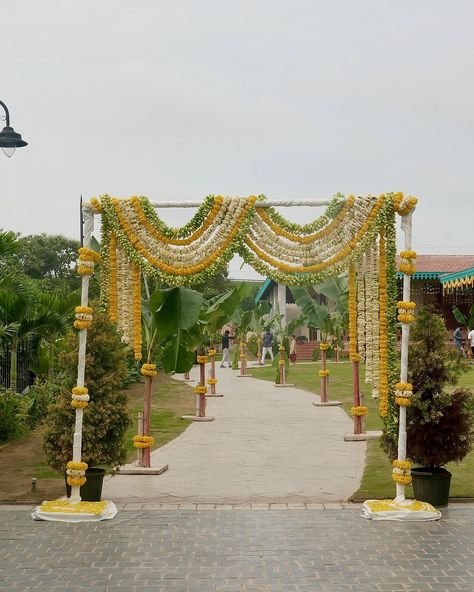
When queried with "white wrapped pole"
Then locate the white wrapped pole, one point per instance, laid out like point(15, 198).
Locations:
point(402, 424)
point(88, 217)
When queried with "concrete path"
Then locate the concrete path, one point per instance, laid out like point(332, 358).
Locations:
point(266, 445)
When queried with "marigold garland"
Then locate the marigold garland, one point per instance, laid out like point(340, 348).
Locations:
point(80, 397)
point(143, 441)
point(137, 313)
point(383, 329)
point(200, 390)
point(323, 346)
point(212, 352)
point(403, 394)
point(149, 370)
point(359, 411)
point(76, 473)
point(405, 310)
point(401, 472)
point(401, 464)
point(83, 317)
point(404, 205)
point(113, 302)
point(212, 381)
point(324, 373)
point(353, 354)
point(66, 507)
point(349, 202)
point(202, 359)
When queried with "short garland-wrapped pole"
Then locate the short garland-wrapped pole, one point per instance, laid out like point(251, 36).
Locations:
point(358, 411)
point(324, 373)
point(148, 371)
point(243, 360)
point(282, 361)
point(324, 379)
point(140, 432)
point(212, 380)
point(201, 391)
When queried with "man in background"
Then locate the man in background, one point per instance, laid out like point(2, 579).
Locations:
point(226, 349)
point(267, 345)
point(458, 341)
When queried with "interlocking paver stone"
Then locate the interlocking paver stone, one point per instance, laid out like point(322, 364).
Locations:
point(276, 550)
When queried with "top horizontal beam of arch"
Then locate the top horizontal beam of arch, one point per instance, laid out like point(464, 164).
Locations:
point(267, 204)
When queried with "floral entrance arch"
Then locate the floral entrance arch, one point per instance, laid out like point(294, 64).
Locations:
point(355, 234)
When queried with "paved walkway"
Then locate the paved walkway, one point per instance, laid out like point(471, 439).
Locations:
point(237, 551)
point(266, 445)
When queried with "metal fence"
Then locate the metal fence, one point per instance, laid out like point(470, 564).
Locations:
point(24, 376)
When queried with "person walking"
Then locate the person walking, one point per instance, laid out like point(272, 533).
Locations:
point(470, 337)
point(293, 349)
point(458, 341)
point(225, 349)
point(267, 345)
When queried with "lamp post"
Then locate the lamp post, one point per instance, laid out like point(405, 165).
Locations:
point(9, 139)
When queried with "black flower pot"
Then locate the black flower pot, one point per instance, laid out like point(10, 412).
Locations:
point(91, 491)
point(431, 484)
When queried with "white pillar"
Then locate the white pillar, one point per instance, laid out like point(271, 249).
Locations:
point(282, 302)
point(81, 362)
point(402, 424)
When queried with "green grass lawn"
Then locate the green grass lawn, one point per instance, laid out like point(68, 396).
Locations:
point(24, 458)
point(377, 479)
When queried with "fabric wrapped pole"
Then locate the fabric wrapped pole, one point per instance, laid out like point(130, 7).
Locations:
point(402, 425)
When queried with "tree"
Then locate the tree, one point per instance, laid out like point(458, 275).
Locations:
point(439, 422)
point(9, 244)
point(26, 323)
point(215, 285)
point(62, 304)
point(106, 418)
point(49, 257)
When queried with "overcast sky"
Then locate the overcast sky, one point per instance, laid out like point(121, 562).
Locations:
point(294, 99)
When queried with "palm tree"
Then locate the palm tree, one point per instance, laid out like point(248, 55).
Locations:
point(27, 325)
point(62, 303)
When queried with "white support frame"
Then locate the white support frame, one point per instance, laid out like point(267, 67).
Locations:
point(88, 216)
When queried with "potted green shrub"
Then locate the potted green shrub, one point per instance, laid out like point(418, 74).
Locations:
point(106, 419)
point(439, 422)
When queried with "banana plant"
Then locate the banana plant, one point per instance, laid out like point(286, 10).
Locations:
point(465, 320)
point(170, 327)
point(219, 310)
point(317, 315)
point(170, 320)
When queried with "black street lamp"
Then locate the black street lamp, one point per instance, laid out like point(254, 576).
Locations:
point(9, 139)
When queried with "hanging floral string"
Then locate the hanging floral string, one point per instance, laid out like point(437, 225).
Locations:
point(383, 329)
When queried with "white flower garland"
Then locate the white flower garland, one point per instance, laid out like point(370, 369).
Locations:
point(361, 299)
point(372, 324)
point(124, 296)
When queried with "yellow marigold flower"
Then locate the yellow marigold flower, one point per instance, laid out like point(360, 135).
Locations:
point(79, 404)
point(78, 466)
point(401, 464)
point(359, 411)
point(80, 390)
